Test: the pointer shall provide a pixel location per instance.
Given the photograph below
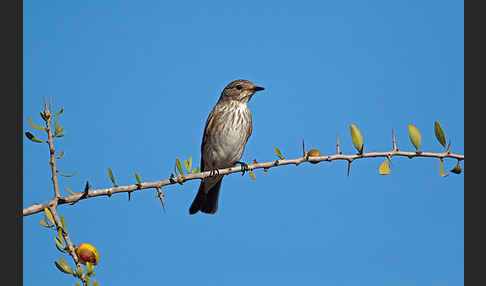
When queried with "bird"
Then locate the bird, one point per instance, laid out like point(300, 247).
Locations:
point(227, 130)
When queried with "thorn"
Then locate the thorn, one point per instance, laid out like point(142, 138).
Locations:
point(303, 148)
point(86, 188)
point(161, 197)
point(394, 142)
point(349, 166)
point(338, 151)
point(449, 147)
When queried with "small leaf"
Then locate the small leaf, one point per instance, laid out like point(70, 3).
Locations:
point(95, 283)
point(89, 268)
point(72, 193)
point(112, 178)
point(61, 135)
point(73, 174)
point(138, 179)
point(179, 167)
point(195, 170)
point(279, 154)
point(190, 164)
point(59, 234)
point(62, 155)
point(384, 168)
point(79, 271)
point(65, 267)
point(44, 116)
point(357, 138)
point(49, 215)
point(441, 169)
point(35, 126)
point(57, 126)
point(60, 249)
point(439, 134)
point(33, 138)
point(59, 266)
point(77, 284)
point(59, 243)
point(179, 179)
point(63, 222)
point(43, 223)
point(252, 175)
point(415, 136)
point(59, 112)
point(457, 169)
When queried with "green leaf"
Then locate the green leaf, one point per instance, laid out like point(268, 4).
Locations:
point(439, 134)
point(72, 193)
point(415, 136)
point(188, 165)
point(457, 169)
point(63, 222)
point(58, 242)
point(64, 175)
point(179, 179)
point(43, 223)
point(58, 131)
point(63, 266)
point(35, 126)
point(95, 283)
point(79, 271)
point(441, 169)
point(195, 170)
point(33, 138)
point(138, 179)
point(57, 126)
point(279, 154)
point(112, 178)
point(48, 214)
point(179, 167)
point(61, 135)
point(77, 284)
point(384, 168)
point(59, 112)
point(89, 268)
point(357, 138)
point(44, 116)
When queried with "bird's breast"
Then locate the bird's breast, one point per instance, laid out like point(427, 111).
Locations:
point(226, 139)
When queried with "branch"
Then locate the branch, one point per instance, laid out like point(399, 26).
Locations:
point(35, 208)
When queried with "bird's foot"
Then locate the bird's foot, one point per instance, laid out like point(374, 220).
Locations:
point(213, 172)
point(244, 167)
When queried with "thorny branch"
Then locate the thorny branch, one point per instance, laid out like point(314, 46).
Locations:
point(35, 208)
point(52, 206)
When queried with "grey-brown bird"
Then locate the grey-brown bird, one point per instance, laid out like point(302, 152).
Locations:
point(227, 130)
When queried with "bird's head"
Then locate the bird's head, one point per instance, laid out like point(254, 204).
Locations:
point(240, 90)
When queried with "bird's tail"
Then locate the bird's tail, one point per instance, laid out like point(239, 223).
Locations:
point(206, 202)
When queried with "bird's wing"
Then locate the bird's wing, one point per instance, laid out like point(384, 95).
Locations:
point(209, 122)
point(251, 128)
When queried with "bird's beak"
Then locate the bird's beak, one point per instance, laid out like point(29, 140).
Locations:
point(257, 88)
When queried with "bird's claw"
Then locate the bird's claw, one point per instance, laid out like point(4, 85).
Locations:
point(213, 172)
point(244, 167)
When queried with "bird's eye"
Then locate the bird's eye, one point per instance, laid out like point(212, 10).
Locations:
point(239, 87)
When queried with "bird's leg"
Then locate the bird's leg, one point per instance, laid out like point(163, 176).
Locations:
point(213, 172)
point(244, 167)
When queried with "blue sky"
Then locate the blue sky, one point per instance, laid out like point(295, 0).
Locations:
point(137, 81)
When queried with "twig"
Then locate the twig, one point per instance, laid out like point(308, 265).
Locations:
point(35, 208)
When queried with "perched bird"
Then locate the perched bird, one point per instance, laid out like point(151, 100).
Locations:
point(227, 130)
